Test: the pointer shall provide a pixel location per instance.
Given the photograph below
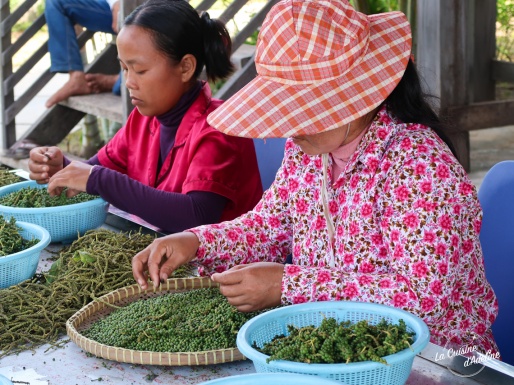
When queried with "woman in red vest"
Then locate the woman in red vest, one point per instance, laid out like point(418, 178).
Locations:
point(166, 165)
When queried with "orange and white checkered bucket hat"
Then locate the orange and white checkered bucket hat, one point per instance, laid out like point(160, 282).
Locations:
point(320, 65)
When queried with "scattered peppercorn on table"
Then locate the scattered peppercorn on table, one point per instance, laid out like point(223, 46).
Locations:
point(67, 364)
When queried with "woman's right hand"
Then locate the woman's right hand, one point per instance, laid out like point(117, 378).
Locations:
point(163, 256)
point(44, 162)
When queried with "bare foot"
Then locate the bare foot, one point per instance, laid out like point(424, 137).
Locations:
point(101, 82)
point(77, 85)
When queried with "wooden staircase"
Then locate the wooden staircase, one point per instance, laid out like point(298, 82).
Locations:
point(55, 124)
point(105, 105)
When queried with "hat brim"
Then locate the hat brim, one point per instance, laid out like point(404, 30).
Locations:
point(268, 109)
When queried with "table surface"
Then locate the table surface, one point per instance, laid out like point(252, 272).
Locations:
point(70, 365)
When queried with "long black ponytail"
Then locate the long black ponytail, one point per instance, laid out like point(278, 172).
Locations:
point(410, 104)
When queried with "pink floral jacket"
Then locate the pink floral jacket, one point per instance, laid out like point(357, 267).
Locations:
point(406, 218)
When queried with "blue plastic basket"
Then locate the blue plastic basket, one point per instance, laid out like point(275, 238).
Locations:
point(18, 267)
point(271, 379)
point(64, 223)
point(264, 327)
point(5, 381)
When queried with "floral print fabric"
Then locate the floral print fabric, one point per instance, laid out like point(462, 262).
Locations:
point(407, 220)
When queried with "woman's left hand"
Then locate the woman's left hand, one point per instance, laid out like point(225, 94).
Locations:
point(252, 287)
point(74, 177)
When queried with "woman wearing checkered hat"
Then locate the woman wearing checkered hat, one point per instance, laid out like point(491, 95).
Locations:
point(369, 200)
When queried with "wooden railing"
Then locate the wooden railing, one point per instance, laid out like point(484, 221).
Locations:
point(52, 132)
point(9, 78)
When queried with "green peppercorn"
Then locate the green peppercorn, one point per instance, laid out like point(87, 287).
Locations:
point(7, 177)
point(343, 342)
point(11, 240)
point(192, 321)
point(33, 197)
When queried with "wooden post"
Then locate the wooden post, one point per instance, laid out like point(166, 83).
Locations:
point(9, 133)
point(126, 7)
point(362, 6)
point(91, 140)
point(456, 40)
point(409, 8)
point(484, 38)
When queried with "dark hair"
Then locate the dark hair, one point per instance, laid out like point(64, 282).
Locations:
point(177, 30)
point(410, 104)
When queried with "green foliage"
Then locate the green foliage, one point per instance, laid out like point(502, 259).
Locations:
point(375, 6)
point(505, 30)
point(215, 86)
point(252, 39)
point(505, 13)
point(29, 17)
point(378, 6)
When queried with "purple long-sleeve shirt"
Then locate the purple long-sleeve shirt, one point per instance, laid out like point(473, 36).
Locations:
point(172, 212)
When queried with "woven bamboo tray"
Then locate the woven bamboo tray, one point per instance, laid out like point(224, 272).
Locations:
point(100, 308)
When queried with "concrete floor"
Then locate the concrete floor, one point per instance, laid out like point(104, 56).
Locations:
point(489, 147)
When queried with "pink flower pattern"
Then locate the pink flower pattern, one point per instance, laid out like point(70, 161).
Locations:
point(407, 231)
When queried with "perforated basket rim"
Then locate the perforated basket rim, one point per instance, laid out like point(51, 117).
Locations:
point(277, 378)
point(132, 293)
point(35, 230)
point(413, 321)
point(43, 210)
point(5, 381)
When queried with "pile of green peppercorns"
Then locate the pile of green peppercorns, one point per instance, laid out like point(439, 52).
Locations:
point(11, 240)
point(33, 197)
point(192, 321)
point(7, 177)
point(334, 342)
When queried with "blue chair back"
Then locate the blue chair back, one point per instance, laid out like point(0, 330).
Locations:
point(496, 195)
point(270, 153)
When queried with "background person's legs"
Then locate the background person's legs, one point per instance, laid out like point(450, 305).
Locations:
point(61, 16)
point(104, 83)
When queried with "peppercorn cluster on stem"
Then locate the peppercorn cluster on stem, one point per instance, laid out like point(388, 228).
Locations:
point(11, 240)
point(33, 197)
point(339, 342)
point(192, 321)
point(7, 177)
point(35, 312)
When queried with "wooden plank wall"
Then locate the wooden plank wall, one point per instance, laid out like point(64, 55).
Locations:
point(127, 6)
point(442, 57)
point(455, 56)
point(9, 132)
